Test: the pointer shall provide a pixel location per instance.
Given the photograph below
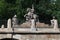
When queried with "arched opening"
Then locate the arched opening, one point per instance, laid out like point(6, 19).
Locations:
point(9, 39)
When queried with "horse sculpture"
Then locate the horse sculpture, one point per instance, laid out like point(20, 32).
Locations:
point(30, 15)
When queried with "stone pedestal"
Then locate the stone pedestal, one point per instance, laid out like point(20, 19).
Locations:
point(9, 23)
point(2, 26)
point(33, 25)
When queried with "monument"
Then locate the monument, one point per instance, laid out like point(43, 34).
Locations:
point(28, 15)
point(26, 32)
point(31, 17)
point(54, 23)
point(14, 21)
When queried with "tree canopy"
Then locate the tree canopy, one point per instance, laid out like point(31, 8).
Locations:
point(45, 9)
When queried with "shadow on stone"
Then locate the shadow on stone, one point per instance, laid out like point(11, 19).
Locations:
point(9, 39)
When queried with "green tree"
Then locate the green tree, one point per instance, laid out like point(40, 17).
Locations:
point(2, 8)
point(45, 9)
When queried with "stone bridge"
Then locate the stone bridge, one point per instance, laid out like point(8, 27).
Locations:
point(18, 33)
point(27, 34)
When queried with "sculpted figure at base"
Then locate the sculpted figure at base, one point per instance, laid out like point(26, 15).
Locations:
point(14, 21)
point(54, 23)
point(31, 17)
point(30, 14)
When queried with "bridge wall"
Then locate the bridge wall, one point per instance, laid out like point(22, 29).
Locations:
point(38, 36)
point(5, 36)
point(32, 36)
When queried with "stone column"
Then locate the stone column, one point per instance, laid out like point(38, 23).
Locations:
point(33, 25)
point(9, 23)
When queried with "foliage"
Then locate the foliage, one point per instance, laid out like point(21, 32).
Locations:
point(45, 9)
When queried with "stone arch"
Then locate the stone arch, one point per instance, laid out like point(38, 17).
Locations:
point(8, 39)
